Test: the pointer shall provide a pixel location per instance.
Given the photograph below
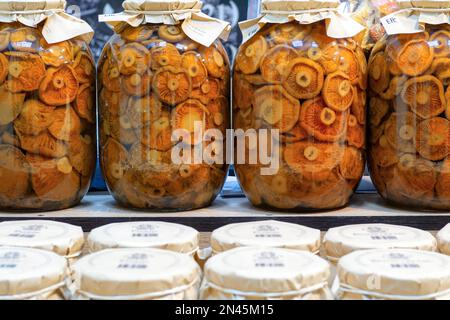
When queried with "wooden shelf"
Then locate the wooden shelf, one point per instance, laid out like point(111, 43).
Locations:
point(100, 209)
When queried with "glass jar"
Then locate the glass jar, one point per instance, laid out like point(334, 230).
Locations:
point(310, 87)
point(154, 82)
point(409, 127)
point(47, 119)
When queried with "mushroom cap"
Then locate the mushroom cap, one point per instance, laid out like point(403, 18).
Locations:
point(14, 170)
point(84, 67)
point(400, 131)
point(59, 87)
point(338, 92)
point(85, 102)
point(191, 61)
point(250, 55)
point(35, 118)
point(26, 71)
point(351, 166)
point(11, 105)
point(304, 78)
point(433, 138)
point(415, 57)
point(56, 54)
point(65, 123)
point(172, 85)
point(275, 63)
point(425, 96)
point(114, 160)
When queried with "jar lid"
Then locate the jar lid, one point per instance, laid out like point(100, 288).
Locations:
point(196, 25)
point(304, 12)
point(266, 270)
point(268, 233)
point(343, 240)
point(138, 273)
point(412, 16)
point(61, 238)
point(160, 235)
point(395, 273)
point(58, 26)
point(443, 238)
point(27, 272)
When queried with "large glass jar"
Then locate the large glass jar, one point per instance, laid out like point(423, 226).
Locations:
point(155, 81)
point(310, 87)
point(409, 127)
point(47, 119)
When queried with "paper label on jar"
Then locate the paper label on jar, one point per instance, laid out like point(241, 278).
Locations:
point(59, 26)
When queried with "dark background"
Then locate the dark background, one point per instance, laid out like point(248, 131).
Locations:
point(232, 11)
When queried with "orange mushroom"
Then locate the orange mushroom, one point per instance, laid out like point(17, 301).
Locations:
point(114, 161)
point(358, 107)
point(138, 34)
point(134, 58)
point(394, 89)
point(338, 92)
point(383, 154)
point(313, 160)
point(110, 76)
point(295, 134)
point(443, 181)
point(34, 118)
point(355, 133)
point(85, 103)
point(138, 85)
point(143, 111)
point(275, 63)
point(82, 154)
point(321, 122)
point(188, 116)
point(192, 63)
point(84, 67)
point(51, 181)
point(416, 177)
point(4, 68)
point(400, 131)
point(415, 57)
point(352, 165)
point(208, 90)
point(215, 62)
point(425, 96)
point(378, 108)
point(171, 33)
point(59, 87)
point(276, 107)
point(11, 105)
point(56, 54)
point(121, 129)
point(66, 123)
point(378, 73)
point(25, 39)
point(348, 63)
point(164, 55)
point(5, 35)
point(26, 71)
point(43, 144)
point(440, 41)
point(14, 171)
point(172, 85)
point(304, 78)
point(289, 32)
point(433, 138)
point(243, 93)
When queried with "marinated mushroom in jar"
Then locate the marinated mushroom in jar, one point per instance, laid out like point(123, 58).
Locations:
point(311, 88)
point(156, 83)
point(48, 116)
point(409, 130)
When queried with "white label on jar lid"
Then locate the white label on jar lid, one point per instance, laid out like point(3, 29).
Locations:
point(266, 261)
point(401, 262)
point(267, 233)
point(128, 262)
point(31, 233)
point(22, 261)
point(145, 232)
point(374, 234)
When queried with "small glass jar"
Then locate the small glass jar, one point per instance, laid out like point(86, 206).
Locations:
point(155, 81)
point(311, 88)
point(409, 132)
point(47, 119)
